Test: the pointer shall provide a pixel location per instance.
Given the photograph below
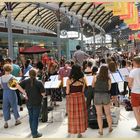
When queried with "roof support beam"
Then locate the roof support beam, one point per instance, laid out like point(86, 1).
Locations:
point(35, 15)
point(42, 16)
point(47, 16)
point(22, 11)
point(87, 9)
point(51, 26)
point(108, 14)
point(98, 17)
point(28, 13)
point(91, 13)
point(71, 6)
point(80, 7)
point(104, 21)
point(97, 13)
point(60, 4)
point(54, 20)
point(46, 20)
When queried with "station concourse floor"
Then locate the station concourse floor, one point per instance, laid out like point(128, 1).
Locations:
point(58, 128)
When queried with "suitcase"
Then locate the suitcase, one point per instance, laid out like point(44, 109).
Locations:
point(92, 119)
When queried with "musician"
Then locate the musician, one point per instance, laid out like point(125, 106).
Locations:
point(102, 84)
point(17, 72)
point(76, 105)
point(89, 89)
point(134, 84)
point(27, 66)
point(9, 96)
point(64, 72)
point(35, 91)
point(114, 91)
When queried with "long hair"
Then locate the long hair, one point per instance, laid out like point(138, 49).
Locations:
point(32, 74)
point(112, 66)
point(103, 73)
point(76, 72)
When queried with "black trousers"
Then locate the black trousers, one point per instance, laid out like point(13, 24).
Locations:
point(90, 96)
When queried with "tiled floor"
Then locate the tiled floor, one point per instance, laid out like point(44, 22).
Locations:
point(58, 128)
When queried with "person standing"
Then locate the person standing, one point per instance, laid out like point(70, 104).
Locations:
point(17, 72)
point(35, 91)
point(102, 84)
point(134, 85)
point(76, 104)
point(79, 56)
point(9, 96)
point(27, 67)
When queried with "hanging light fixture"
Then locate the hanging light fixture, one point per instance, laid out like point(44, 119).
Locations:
point(38, 16)
point(71, 22)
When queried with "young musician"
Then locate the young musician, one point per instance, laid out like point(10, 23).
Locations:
point(114, 91)
point(102, 85)
point(76, 105)
point(134, 84)
point(9, 96)
point(35, 91)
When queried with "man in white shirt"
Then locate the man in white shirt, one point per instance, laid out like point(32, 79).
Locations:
point(134, 84)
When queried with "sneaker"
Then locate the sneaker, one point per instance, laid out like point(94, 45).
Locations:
point(137, 128)
point(79, 136)
point(6, 125)
point(38, 135)
point(18, 122)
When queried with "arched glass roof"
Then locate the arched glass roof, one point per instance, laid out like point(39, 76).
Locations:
point(38, 15)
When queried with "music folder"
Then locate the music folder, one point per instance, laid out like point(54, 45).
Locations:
point(124, 72)
point(65, 81)
point(52, 84)
point(89, 80)
point(116, 78)
point(53, 77)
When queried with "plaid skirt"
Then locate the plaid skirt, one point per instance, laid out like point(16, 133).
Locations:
point(77, 113)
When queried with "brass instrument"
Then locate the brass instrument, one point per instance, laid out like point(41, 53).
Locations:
point(12, 83)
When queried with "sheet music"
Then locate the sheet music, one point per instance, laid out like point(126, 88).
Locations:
point(121, 86)
point(56, 84)
point(65, 81)
point(53, 77)
point(89, 80)
point(124, 71)
point(48, 84)
point(117, 77)
point(18, 78)
point(52, 84)
point(29, 77)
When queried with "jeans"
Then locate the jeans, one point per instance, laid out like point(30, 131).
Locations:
point(34, 112)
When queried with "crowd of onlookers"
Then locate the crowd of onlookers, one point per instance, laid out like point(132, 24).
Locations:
point(79, 97)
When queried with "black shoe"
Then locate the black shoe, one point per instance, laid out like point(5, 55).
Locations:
point(38, 135)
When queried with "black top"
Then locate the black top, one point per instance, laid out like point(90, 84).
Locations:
point(33, 92)
point(101, 86)
point(74, 89)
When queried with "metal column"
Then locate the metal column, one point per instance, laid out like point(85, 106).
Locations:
point(58, 40)
point(94, 44)
point(82, 44)
point(10, 35)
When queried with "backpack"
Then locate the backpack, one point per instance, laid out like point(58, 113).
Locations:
point(127, 104)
